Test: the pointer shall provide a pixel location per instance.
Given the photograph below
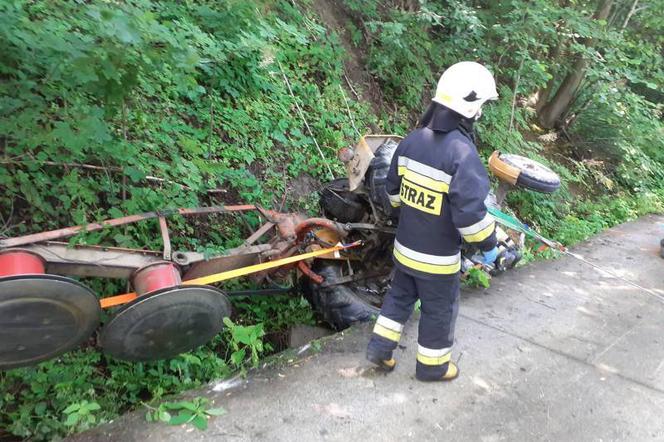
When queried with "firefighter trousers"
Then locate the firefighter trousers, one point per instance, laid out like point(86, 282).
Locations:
point(439, 307)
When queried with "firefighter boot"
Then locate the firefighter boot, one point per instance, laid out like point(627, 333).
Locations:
point(451, 373)
point(382, 360)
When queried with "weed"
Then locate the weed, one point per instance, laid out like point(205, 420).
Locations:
point(195, 412)
point(477, 278)
point(245, 339)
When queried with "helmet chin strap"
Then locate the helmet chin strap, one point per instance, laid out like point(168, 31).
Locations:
point(466, 126)
point(440, 118)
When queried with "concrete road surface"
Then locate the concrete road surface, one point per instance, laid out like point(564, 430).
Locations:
point(552, 351)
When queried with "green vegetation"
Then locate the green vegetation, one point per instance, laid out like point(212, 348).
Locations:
point(194, 412)
point(97, 99)
point(604, 136)
point(477, 278)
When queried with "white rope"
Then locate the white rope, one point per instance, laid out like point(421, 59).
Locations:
point(299, 110)
point(614, 275)
point(352, 121)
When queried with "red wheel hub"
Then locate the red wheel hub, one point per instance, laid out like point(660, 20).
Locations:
point(20, 262)
point(157, 276)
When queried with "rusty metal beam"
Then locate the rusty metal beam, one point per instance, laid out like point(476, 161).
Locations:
point(262, 230)
point(71, 231)
point(234, 259)
point(165, 237)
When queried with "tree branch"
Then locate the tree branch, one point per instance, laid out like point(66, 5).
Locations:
point(516, 89)
point(630, 14)
point(306, 124)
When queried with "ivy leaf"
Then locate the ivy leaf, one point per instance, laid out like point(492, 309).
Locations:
point(200, 422)
point(165, 416)
point(125, 32)
point(182, 405)
point(215, 411)
point(182, 418)
point(238, 356)
point(72, 408)
point(135, 174)
point(40, 408)
point(114, 212)
point(173, 405)
point(72, 419)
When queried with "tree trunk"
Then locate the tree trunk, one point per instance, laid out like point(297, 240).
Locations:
point(408, 5)
point(550, 113)
point(544, 94)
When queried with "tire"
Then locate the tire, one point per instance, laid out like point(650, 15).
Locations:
point(341, 305)
point(340, 204)
point(376, 179)
point(533, 175)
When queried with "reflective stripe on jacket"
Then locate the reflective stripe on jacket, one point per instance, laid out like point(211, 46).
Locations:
point(439, 181)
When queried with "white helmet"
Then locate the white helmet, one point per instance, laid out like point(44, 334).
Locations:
point(464, 87)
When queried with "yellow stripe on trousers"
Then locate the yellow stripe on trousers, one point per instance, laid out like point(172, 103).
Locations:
point(430, 360)
point(386, 333)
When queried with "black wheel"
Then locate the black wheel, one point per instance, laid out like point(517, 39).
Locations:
point(533, 175)
point(42, 317)
point(340, 204)
point(376, 179)
point(165, 323)
point(344, 304)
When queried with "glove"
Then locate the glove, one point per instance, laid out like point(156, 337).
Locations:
point(490, 256)
point(507, 259)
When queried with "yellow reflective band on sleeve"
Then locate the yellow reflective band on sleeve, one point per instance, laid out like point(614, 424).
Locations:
point(386, 333)
point(479, 231)
point(436, 269)
point(401, 170)
point(421, 198)
point(482, 234)
point(438, 186)
point(434, 360)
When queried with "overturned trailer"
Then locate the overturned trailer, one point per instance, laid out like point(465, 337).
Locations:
point(173, 308)
point(44, 312)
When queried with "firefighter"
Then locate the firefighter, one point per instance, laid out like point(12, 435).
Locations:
point(440, 183)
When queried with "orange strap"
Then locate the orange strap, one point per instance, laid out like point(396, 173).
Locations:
point(112, 301)
point(117, 300)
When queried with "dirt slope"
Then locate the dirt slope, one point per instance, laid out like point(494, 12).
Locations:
point(358, 80)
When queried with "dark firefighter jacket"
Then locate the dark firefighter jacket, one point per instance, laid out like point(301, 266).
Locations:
point(440, 183)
